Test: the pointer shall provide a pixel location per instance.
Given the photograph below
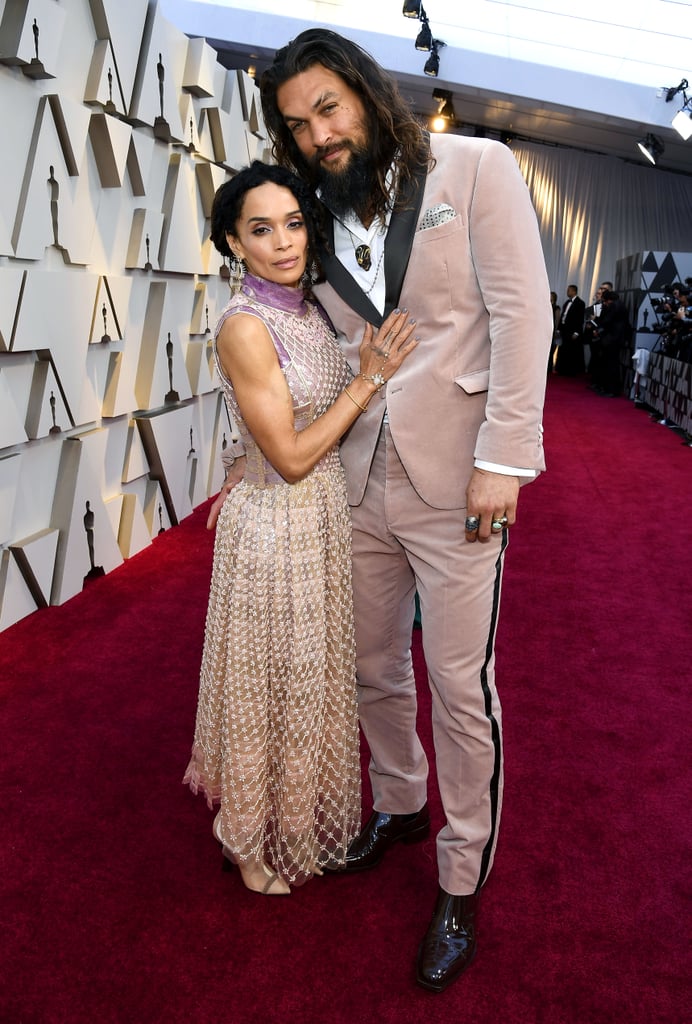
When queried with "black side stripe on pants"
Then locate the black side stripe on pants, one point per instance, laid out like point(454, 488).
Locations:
point(494, 728)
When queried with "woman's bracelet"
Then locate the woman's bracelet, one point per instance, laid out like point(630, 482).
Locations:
point(363, 408)
point(375, 378)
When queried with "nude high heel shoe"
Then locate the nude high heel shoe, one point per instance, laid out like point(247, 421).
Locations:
point(257, 876)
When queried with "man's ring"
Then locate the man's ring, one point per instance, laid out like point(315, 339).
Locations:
point(472, 523)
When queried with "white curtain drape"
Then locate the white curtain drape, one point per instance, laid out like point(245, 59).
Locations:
point(593, 210)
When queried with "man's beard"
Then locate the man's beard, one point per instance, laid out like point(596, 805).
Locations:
point(352, 189)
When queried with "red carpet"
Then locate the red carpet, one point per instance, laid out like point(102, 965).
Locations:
point(114, 906)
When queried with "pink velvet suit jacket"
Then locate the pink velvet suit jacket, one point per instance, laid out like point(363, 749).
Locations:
point(477, 286)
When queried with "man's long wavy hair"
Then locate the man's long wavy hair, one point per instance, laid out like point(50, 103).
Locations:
point(394, 136)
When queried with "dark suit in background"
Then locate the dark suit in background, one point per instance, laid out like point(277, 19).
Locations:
point(613, 334)
point(570, 356)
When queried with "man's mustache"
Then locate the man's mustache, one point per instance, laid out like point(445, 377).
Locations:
point(323, 151)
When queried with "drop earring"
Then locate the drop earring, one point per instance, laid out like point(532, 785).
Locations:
point(308, 277)
point(238, 269)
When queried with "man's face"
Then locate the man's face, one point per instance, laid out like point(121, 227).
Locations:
point(571, 292)
point(325, 116)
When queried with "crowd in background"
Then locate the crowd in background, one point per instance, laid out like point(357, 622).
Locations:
point(591, 338)
point(674, 321)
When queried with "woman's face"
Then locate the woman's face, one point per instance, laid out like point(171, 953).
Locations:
point(271, 236)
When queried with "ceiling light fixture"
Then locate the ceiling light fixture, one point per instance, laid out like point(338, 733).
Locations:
point(674, 90)
point(424, 38)
point(445, 111)
point(652, 148)
point(432, 64)
point(445, 107)
point(682, 122)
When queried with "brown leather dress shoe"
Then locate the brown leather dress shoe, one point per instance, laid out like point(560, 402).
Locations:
point(449, 945)
point(381, 832)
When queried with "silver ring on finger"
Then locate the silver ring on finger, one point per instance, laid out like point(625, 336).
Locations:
point(472, 523)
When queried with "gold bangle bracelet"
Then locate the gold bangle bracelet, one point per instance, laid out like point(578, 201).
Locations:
point(362, 408)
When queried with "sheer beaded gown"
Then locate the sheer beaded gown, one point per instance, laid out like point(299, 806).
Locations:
point(276, 736)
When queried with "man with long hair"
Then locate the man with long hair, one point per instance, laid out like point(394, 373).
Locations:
point(443, 227)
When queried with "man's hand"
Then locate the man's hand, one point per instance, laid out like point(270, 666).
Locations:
point(490, 497)
point(234, 476)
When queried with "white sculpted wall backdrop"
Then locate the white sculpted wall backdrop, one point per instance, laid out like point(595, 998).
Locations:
point(117, 131)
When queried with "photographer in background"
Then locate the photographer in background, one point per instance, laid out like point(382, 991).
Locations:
point(674, 322)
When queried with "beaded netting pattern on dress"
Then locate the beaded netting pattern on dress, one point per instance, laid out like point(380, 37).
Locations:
point(276, 738)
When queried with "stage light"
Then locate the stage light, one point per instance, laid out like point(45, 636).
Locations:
point(682, 122)
point(445, 111)
point(424, 39)
point(674, 90)
point(411, 8)
point(445, 106)
point(652, 148)
point(432, 64)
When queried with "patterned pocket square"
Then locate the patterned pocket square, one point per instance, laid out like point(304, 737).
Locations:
point(435, 216)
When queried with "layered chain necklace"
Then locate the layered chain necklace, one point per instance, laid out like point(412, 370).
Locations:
point(377, 268)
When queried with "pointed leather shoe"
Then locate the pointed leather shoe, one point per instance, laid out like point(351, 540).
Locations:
point(381, 832)
point(449, 945)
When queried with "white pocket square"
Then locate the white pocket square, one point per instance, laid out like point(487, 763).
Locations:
point(435, 216)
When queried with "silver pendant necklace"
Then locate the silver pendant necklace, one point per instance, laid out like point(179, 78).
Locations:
point(363, 254)
point(362, 250)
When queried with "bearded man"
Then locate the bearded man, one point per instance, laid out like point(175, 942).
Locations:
point(442, 226)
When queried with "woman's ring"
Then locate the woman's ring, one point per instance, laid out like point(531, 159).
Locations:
point(472, 523)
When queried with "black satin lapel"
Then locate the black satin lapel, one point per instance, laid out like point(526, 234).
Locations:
point(399, 241)
point(344, 285)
